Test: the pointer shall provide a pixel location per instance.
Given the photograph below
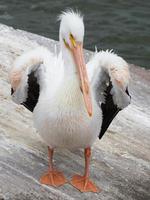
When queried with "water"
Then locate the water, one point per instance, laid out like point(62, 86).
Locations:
point(122, 25)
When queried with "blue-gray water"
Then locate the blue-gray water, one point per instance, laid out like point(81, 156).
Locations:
point(122, 25)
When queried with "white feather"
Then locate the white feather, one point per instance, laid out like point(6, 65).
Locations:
point(49, 70)
point(116, 68)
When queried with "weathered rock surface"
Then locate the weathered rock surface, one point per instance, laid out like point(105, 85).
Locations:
point(121, 160)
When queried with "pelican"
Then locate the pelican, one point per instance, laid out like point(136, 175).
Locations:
point(73, 103)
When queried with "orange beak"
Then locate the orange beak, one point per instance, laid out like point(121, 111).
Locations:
point(77, 51)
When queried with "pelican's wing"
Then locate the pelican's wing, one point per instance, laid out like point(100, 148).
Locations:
point(109, 77)
point(31, 74)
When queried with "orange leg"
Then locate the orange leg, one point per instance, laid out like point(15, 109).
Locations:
point(52, 177)
point(83, 183)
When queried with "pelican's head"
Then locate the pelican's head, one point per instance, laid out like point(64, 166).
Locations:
point(71, 36)
point(71, 27)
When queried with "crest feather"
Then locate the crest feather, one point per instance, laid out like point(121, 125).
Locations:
point(70, 13)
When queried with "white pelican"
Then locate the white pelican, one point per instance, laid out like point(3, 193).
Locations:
point(73, 103)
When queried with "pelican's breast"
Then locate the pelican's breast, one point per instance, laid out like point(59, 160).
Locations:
point(63, 120)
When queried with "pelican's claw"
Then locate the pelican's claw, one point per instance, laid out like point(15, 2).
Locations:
point(84, 184)
point(53, 178)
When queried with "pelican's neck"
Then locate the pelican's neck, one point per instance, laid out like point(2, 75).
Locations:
point(69, 64)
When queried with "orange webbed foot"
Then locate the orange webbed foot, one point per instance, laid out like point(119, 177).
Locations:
point(84, 184)
point(53, 178)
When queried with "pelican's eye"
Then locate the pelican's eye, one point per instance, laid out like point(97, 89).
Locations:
point(73, 41)
point(66, 44)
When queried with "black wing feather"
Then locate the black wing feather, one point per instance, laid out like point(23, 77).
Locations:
point(33, 92)
point(109, 110)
